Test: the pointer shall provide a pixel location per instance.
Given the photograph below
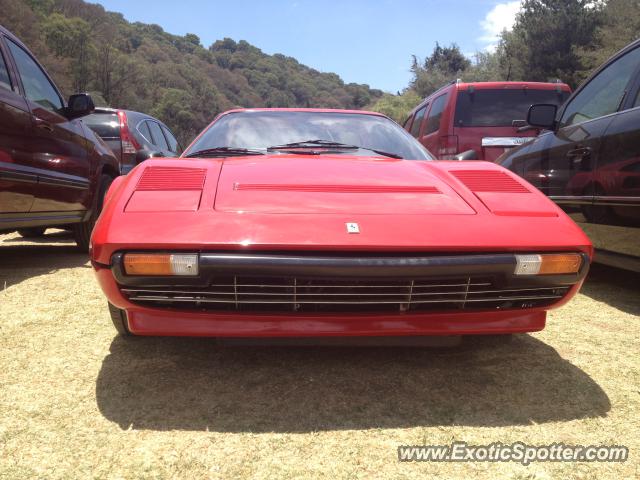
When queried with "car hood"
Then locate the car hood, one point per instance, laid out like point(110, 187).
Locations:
point(304, 202)
point(329, 185)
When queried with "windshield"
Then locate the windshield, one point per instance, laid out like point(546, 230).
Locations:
point(499, 108)
point(257, 129)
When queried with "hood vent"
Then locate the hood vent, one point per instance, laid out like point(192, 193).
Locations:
point(489, 181)
point(336, 188)
point(171, 178)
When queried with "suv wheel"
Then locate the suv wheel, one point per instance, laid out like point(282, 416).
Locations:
point(32, 232)
point(119, 319)
point(82, 231)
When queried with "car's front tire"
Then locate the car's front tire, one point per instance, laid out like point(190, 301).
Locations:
point(119, 319)
point(82, 231)
point(33, 232)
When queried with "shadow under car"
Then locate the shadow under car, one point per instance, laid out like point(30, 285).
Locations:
point(193, 384)
point(22, 258)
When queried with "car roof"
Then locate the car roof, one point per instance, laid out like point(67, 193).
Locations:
point(466, 86)
point(116, 110)
point(513, 85)
point(131, 114)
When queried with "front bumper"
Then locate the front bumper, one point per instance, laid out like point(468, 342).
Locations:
point(295, 304)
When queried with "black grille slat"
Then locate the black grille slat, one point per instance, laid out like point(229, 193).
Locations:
point(326, 302)
point(205, 292)
point(289, 294)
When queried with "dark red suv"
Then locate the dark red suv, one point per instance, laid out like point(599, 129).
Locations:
point(479, 121)
point(54, 171)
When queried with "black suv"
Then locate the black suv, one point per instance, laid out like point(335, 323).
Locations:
point(133, 136)
point(54, 171)
point(589, 161)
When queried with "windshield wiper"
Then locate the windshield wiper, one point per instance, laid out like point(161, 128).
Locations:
point(224, 152)
point(383, 153)
point(311, 144)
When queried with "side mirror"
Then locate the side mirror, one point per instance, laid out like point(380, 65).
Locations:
point(542, 115)
point(468, 155)
point(80, 104)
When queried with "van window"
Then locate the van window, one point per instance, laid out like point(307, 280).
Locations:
point(500, 107)
point(435, 114)
point(417, 121)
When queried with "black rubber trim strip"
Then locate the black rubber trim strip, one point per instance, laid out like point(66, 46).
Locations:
point(500, 266)
point(23, 173)
point(63, 182)
point(16, 176)
point(626, 201)
point(381, 267)
point(60, 218)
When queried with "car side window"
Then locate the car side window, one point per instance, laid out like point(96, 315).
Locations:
point(171, 140)
point(157, 137)
point(637, 101)
point(417, 121)
point(604, 94)
point(143, 128)
point(407, 123)
point(5, 81)
point(435, 114)
point(37, 86)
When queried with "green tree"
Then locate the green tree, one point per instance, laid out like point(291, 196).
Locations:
point(447, 59)
point(396, 107)
point(443, 65)
point(510, 52)
point(620, 26)
point(484, 68)
point(547, 37)
point(71, 38)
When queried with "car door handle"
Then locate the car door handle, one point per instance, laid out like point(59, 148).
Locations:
point(579, 152)
point(40, 123)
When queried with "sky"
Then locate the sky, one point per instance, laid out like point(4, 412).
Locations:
point(363, 41)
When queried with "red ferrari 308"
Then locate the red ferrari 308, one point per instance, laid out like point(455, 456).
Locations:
point(305, 222)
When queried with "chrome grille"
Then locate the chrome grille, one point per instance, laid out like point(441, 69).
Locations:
point(281, 294)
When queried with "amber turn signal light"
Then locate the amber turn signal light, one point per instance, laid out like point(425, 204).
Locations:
point(160, 264)
point(548, 264)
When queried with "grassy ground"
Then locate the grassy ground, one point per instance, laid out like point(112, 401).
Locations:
point(78, 402)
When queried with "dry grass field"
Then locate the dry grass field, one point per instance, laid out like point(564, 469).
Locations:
point(78, 402)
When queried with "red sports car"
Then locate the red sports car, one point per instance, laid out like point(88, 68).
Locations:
point(305, 222)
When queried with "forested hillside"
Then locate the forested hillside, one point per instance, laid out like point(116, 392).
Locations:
point(141, 67)
point(550, 40)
